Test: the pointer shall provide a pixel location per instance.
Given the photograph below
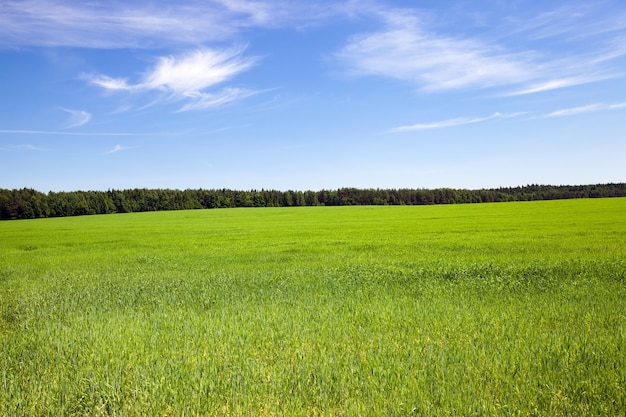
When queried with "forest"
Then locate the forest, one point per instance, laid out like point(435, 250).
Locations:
point(28, 203)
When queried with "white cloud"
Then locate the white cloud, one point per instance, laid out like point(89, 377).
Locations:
point(196, 70)
point(187, 77)
point(577, 110)
point(108, 83)
point(554, 84)
point(110, 24)
point(590, 108)
point(29, 147)
point(119, 24)
point(116, 148)
point(25, 147)
point(571, 22)
point(77, 118)
point(459, 121)
point(66, 133)
point(515, 55)
point(407, 51)
point(199, 100)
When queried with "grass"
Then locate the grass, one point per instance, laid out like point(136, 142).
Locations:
point(490, 309)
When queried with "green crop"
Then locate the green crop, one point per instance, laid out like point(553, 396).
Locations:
point(488, 309)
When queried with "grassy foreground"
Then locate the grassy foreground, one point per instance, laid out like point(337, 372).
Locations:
point(490, 309)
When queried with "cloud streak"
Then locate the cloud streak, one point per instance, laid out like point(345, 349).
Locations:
point(77, 118)
point(113, 24)
point(590, 108)
point(118, 24)
point(26, 147)
point(559, 83)
point(65, 133)
point(459, 121)
point(406, 51)
point(187, 77)
point(115, 149)
point(409, 49)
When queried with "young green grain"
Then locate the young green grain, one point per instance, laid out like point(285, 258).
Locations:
point(490, 309)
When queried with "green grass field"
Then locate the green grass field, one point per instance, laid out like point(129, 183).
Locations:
point(487, 309)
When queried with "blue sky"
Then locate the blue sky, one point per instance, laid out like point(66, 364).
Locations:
point(251, 94)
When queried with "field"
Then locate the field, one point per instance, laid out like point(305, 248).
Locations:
point(487, 309)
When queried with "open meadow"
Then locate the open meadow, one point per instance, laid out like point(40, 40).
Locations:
point(486, 309)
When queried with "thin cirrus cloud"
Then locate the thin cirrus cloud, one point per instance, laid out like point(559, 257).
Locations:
point(115, 149)
point(585, 68)
point(407, 51)
point(77, 118)
point(407, 48)
point(459, 121)
point(26, 147)
point(590, 108)
point(118, 24)
point(187, 78)
point(570, 22)
point(559, 83)
point(67, 133)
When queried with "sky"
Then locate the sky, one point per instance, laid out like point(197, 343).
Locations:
point(283, 94)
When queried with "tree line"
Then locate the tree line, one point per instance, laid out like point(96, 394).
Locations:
point(27, 203)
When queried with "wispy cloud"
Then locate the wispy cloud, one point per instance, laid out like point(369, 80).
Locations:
point(113, 24)
point(108, 83)
point(407, 51)
point(25, 147)
point(459, 121)
point(187, 77)
point(115, 149)
point(590, 108)
point(77, 118)
point(199, 100)
point(409, 48)
point(559, 83)
point(118, 24)
point(65, 133)
point(570, 22)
